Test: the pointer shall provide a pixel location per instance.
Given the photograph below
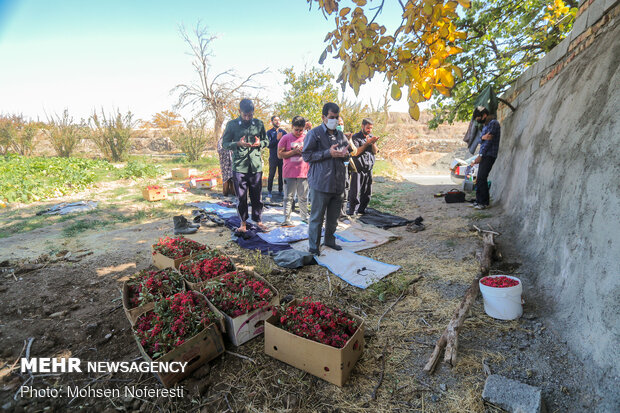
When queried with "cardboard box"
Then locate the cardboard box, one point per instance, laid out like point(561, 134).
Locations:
point(203, 183)
point(182, 173)
point(200, 349)
point(326, 362)
point(245, 327)
point(154, 194)
point(161, 261)
point(133, 313)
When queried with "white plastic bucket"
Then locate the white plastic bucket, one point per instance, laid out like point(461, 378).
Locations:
point(502, 303)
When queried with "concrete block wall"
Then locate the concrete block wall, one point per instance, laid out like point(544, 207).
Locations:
point(557, 179)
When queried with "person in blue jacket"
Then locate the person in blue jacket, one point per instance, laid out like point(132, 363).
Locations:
point(489, 146)
point(275, 164)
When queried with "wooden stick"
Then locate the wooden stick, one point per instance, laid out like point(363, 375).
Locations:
point(241, 356)
point(449, 338)
point(373, 396)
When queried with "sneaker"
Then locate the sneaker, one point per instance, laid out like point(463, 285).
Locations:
point(480, 206)
point(286, 224)
point(473, 205)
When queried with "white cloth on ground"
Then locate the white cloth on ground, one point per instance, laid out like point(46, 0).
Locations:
point(357, 270)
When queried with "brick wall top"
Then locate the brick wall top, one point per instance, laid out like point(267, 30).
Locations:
point(593, 18)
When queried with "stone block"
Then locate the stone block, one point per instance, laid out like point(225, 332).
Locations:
point(534, 87)
point(595, 12)
point(609, 4)
point(580, 25)
point(511, 395)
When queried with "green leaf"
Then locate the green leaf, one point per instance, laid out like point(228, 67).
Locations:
point(396, 92)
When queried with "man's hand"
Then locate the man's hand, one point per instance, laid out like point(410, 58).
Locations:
point(477, 160)
point(256, 143)
point(487, 137)
point(242, 143)
point(372, 140)
point(335, 153)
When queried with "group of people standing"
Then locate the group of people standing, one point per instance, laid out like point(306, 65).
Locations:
point(319, 166)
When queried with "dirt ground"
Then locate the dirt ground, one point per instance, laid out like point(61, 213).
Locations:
point(72, 307)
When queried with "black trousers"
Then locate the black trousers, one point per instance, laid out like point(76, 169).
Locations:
point(274, 164)
point(482, 184)
point(360, 190)
point(252, 183)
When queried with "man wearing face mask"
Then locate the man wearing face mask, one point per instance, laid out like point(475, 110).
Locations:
point(245, 137)
point(325, 149)
point(275, 164)
point(491, 132)
point(364, 159)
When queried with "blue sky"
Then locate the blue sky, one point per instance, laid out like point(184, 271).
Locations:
point(110, 54)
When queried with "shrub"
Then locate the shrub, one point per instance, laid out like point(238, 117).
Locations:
point(139, 169)
point(192, 139)
point(17, 134)
point(111, 134)
point(65, 135)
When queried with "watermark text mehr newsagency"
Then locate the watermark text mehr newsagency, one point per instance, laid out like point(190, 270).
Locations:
point(75, 365)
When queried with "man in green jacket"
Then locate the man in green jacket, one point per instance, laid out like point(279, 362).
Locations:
point(245, 137)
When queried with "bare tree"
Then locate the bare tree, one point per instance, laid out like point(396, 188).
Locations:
point(212, 94)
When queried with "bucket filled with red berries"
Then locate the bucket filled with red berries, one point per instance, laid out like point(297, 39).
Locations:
point(502, 296)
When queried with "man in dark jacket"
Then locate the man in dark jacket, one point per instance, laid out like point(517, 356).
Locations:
point(245, 137)
point(363, 158)
point(325, 149)
point(275, 164)
point(489, 146)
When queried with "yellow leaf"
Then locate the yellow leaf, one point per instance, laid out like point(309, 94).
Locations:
point(396, 93)
point(446, 77)
point(464, 3)
point(460, 35)
point(427, 9)
point(457, 71)
point(414, 96)
point(414, 111)
point(360, 2)
point(357, 47)
point(367, 42)
point(344, 11)
point(443, 90)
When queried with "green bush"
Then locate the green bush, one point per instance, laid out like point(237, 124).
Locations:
point(192, 139)
point(17, 134)
point(111, 134)
point(65, 135)
point(139, 169)
point(25, 179)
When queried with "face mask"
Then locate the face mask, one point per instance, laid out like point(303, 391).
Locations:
point(339, 127)
point(331, 123)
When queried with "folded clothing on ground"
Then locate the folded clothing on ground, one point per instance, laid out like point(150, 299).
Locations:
point(383, 219)
point(67, 208)
point(285, 235)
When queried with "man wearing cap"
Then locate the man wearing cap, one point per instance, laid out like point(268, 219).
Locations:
point(275, 164)
point(491, 133)
point(245, 137)
point(363, 158)
point(325, 149)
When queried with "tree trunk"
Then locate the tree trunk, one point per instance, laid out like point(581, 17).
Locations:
point(217, 127)
point(449, 338)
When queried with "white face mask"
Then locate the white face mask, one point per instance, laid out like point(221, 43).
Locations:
point(331, 123)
